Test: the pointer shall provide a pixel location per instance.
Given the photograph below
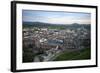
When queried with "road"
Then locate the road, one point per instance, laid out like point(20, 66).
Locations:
point(36, 59)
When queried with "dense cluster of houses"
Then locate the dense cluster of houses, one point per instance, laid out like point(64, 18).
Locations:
point(53, 41)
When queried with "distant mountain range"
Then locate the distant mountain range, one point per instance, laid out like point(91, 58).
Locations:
point(50, 23)
point(41, 24)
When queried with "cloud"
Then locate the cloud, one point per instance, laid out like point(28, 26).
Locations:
point(56, 17)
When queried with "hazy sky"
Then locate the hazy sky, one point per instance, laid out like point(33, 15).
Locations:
point(56, 17)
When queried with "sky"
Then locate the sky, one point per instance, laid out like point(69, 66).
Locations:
point(56, 17)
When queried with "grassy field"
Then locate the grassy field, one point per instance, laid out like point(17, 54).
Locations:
point(75, 55)
point(57, 27)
